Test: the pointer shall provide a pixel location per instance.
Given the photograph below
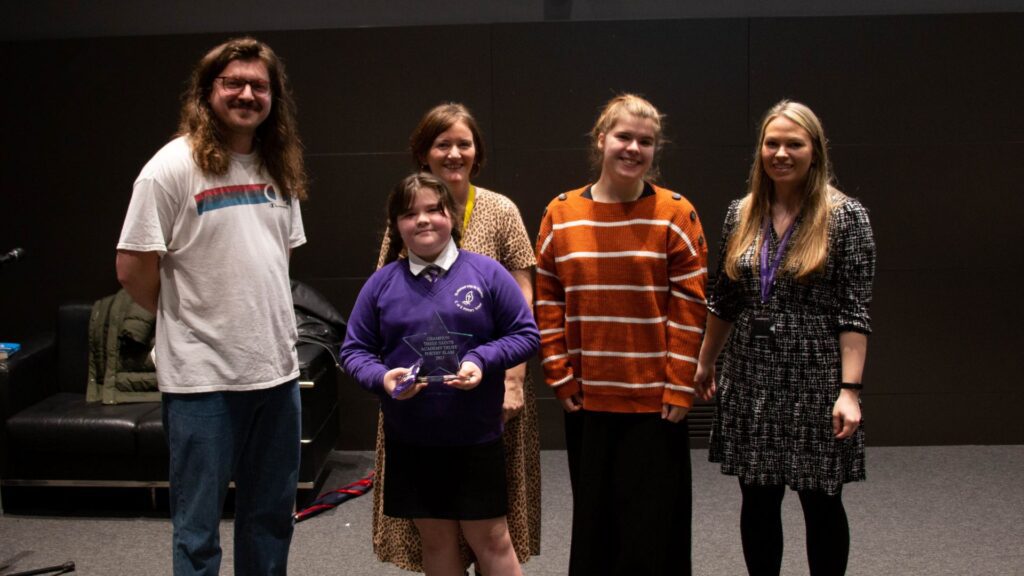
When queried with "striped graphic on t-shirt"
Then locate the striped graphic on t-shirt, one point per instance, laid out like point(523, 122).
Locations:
point(236, 195)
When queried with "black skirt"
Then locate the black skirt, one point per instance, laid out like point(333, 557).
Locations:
point(445, 482)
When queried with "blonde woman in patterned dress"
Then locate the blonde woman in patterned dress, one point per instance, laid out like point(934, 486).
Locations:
point(790, 308)
point(448, 144)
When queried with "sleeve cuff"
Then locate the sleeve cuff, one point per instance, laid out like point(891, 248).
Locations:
point(678, 398)
point(475, 359)
point(571, 387)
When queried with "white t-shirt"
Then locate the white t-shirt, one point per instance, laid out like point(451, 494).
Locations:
point(225, 319)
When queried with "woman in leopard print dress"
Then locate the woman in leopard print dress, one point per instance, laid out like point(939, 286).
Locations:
point(447, 143)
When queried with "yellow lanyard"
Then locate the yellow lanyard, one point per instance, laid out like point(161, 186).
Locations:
point(469, 208)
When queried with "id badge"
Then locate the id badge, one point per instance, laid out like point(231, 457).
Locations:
point(762, 328)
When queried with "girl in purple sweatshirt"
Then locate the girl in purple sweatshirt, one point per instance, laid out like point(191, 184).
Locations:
point(432, 334)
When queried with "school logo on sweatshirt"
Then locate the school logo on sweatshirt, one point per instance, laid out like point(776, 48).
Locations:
point(469, 298)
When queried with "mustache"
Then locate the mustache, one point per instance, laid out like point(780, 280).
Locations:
point(244, 104)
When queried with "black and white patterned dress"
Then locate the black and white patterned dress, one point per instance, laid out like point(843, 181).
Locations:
point(773, 419)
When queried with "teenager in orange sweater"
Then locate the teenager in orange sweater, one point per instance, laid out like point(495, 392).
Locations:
point(621, 266)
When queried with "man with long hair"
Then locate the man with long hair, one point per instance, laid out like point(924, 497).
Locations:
point(205, 246)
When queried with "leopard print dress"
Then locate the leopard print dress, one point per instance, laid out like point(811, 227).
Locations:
point(496, 230)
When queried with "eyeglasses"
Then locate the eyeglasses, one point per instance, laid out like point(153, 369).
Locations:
point(233, 85)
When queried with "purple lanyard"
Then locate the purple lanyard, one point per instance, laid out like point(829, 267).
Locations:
point(768, 272)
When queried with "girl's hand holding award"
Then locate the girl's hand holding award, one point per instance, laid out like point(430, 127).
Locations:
point(469, 377)
point(401, 384)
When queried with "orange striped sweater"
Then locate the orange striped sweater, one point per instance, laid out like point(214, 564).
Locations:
point(620, 299)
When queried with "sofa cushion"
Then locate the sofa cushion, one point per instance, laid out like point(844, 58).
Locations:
point(73, 346)
point(66, 423)
point(151, 437)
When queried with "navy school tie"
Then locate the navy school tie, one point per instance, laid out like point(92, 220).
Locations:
point(431, 272)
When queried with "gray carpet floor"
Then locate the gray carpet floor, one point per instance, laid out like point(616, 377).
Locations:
point(956, 511)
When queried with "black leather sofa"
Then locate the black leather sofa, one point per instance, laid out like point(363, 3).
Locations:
point(52, 437)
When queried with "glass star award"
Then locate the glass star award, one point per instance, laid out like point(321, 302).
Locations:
point(439, 350)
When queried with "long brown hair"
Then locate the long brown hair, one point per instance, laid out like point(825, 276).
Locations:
point(402, 197)
point(809, 249)
point(277, 138)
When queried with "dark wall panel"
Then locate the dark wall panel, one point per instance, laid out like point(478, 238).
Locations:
point(932, 340)
point(910, 80)
point(551, 80)
point(921, 112)
point(952, 206)
point(362, 91)
point(63, 19)
point(85, 117)
point(942, 419)
point(345, 216)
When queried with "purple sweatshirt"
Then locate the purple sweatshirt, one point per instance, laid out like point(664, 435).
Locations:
point(476, 296)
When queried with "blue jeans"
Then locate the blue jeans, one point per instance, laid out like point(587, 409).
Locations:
point(252, 438)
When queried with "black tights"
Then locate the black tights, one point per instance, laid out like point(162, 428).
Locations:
point(828, 533)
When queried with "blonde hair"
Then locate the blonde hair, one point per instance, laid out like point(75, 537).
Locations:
point(615, 110)
point(809, 248)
